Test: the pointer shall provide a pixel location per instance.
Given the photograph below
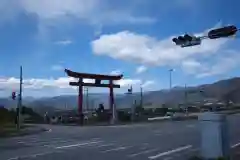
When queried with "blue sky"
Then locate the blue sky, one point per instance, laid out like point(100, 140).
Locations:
point(111, 37)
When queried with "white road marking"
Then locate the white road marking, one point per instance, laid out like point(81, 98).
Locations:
point(143, 152)
point(33, 155)
point(235, 145)
point(194, 150)
point(190, 126)
point(54, 143)
point(77, 145)
point(157, 131)
point(191, 151)
point(21, 142)
point(104, 145)
point(116, 149)
point(170, 152)
point(14, 158)
point(44, 143)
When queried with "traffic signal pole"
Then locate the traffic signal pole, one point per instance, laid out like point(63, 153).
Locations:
point(19, 101)
point(188, 40)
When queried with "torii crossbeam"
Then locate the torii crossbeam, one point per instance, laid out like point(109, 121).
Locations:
point(98, 78)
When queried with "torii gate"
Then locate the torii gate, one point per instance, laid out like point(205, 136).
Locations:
point(98, 78)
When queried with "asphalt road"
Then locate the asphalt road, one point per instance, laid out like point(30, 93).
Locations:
point(165, 140)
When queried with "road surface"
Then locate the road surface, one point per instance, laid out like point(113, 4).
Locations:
point(151, 141)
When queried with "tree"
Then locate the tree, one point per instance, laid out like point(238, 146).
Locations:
point(102, 115)
point(100, 108)
point(139, 109)
point(6, 116)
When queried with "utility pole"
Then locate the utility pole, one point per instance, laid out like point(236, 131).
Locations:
point(141, 94)
point(66, 107)
point(19, 101)
point(130, 92)
point(170, 78)
point(186, 99)
point(185, 94)
point(87, 102)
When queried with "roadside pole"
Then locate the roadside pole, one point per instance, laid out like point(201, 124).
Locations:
point(186, 99)
point(87, 100)
point(130, 93)
point(19, 101)
point(141, 96)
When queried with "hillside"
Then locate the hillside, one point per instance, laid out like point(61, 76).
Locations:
point(221, 90)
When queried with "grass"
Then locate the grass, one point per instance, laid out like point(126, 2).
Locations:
point(7, 129)
point(10, 129)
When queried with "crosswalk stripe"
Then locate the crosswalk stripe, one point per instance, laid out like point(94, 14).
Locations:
point(170, 152)
point(77, 145)
point(116, 149)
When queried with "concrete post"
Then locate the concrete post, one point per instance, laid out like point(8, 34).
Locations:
point(214, 136)
point(114, 115)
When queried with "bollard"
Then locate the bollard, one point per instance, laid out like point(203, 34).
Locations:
point(214, 136)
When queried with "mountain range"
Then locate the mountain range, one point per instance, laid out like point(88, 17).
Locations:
point(220, 90)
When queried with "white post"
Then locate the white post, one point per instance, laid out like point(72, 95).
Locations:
point(214, 136)
point(113, 121)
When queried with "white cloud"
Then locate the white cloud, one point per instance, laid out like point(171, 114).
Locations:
point(201, 61)
point(58, 86)
point(92, 11)
point(141, 69)
point(116, 72)
point(143, 49)
point(191, 66)
point(53, 9)
point(38, 83)
point(117, 17)
point(217, 65)
point(128, 82)
point(64, 42)
point(222, 65)
point(57, 68)
point(148, 83)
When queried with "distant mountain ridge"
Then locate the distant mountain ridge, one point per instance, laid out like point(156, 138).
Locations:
point(219, 90)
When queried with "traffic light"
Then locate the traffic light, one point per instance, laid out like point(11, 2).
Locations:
point(13, 95)
point(186, 40)
point(130, 90)
point(222, 32)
